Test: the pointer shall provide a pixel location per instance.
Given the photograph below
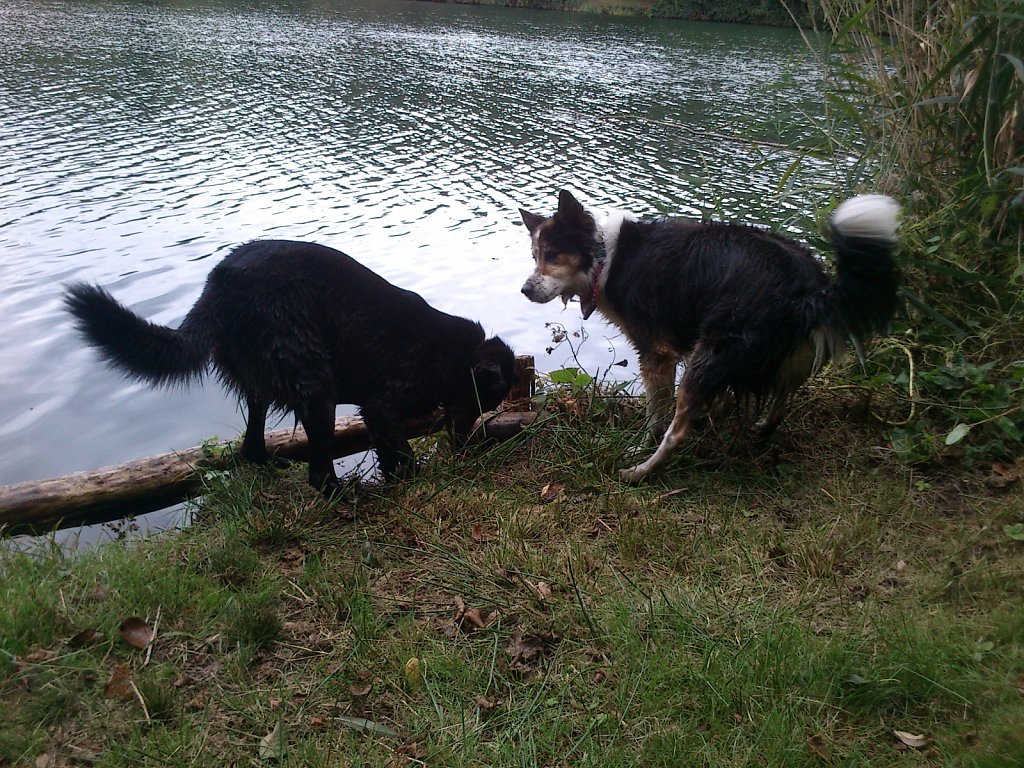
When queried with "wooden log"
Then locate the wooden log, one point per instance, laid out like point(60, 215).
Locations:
point(146, 485)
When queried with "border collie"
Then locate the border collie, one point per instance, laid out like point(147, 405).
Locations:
point(748, 311)
point(300, 327)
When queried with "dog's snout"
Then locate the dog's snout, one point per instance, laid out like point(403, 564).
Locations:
point(525, 290)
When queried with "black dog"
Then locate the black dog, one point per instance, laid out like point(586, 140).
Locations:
point(301, 327)
point(750, 312)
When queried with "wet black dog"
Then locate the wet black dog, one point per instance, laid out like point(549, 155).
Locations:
point(300, 327)
point(750, 312)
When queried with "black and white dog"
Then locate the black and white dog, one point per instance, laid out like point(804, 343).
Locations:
point(300, 327)
point(748, 311)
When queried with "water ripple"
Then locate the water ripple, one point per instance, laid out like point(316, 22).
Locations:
point(141, 141)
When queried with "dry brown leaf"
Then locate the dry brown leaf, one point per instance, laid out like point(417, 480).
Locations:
point(544, 590)
point(911, 740)
point(470, 616)
point(816, 745)
point(486, 705)
point(479, 535)
point(1002, 476)
point(120, 683)
point(39, 655)
point(525, 650)
point(360, 689)
point(551, 492)
point(136, 632)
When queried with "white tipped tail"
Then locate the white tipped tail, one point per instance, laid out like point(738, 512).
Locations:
point(871, 216)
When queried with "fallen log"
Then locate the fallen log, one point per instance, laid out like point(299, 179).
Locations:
point(146, 485)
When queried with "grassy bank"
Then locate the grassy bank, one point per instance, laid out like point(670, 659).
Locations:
point(812, 602)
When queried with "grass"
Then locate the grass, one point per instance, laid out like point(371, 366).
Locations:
point(793, 604)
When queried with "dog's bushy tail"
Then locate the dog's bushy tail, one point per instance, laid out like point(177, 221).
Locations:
point(138, 348)
point(863, 296)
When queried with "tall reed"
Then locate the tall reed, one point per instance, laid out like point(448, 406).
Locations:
point(938, 89)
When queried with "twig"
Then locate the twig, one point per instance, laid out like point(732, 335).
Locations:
point(142, 701)
point(152, 641)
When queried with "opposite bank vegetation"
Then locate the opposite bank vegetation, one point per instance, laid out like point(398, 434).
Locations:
point(767, 12)
point(849, 594)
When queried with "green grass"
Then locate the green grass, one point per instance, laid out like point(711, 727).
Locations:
point(784, 605)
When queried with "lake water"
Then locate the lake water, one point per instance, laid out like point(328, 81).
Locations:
point(140, 141)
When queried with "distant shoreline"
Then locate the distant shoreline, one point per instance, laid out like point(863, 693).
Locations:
point(761, 12)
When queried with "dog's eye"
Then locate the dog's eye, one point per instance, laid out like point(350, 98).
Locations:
point(550, 256)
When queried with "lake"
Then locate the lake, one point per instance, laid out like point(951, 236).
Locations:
point(140, 141)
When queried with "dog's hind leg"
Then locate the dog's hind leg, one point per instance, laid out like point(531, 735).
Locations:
point(793, 372)
point(686, 408)
point(254, 444)
point(659, 375)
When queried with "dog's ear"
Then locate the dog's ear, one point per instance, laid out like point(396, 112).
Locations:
point(569, 207)
point(531, 220)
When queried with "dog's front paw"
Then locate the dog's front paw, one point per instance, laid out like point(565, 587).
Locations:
point(635, 474)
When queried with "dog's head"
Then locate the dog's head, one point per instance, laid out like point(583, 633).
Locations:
point(494, 373)
point(564, 248)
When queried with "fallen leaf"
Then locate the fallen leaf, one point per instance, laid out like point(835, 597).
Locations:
point(485, 703)
point(816, 745)
point(272, 746)
point(120, 683)
point(478, 534)
point(525, 650)
point(544, 590)
point(136, 632)
point(550, 492)
point(1002, 476)
point(37, 656)
point(914, 741)
point(360, 689)
point(464, 615)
